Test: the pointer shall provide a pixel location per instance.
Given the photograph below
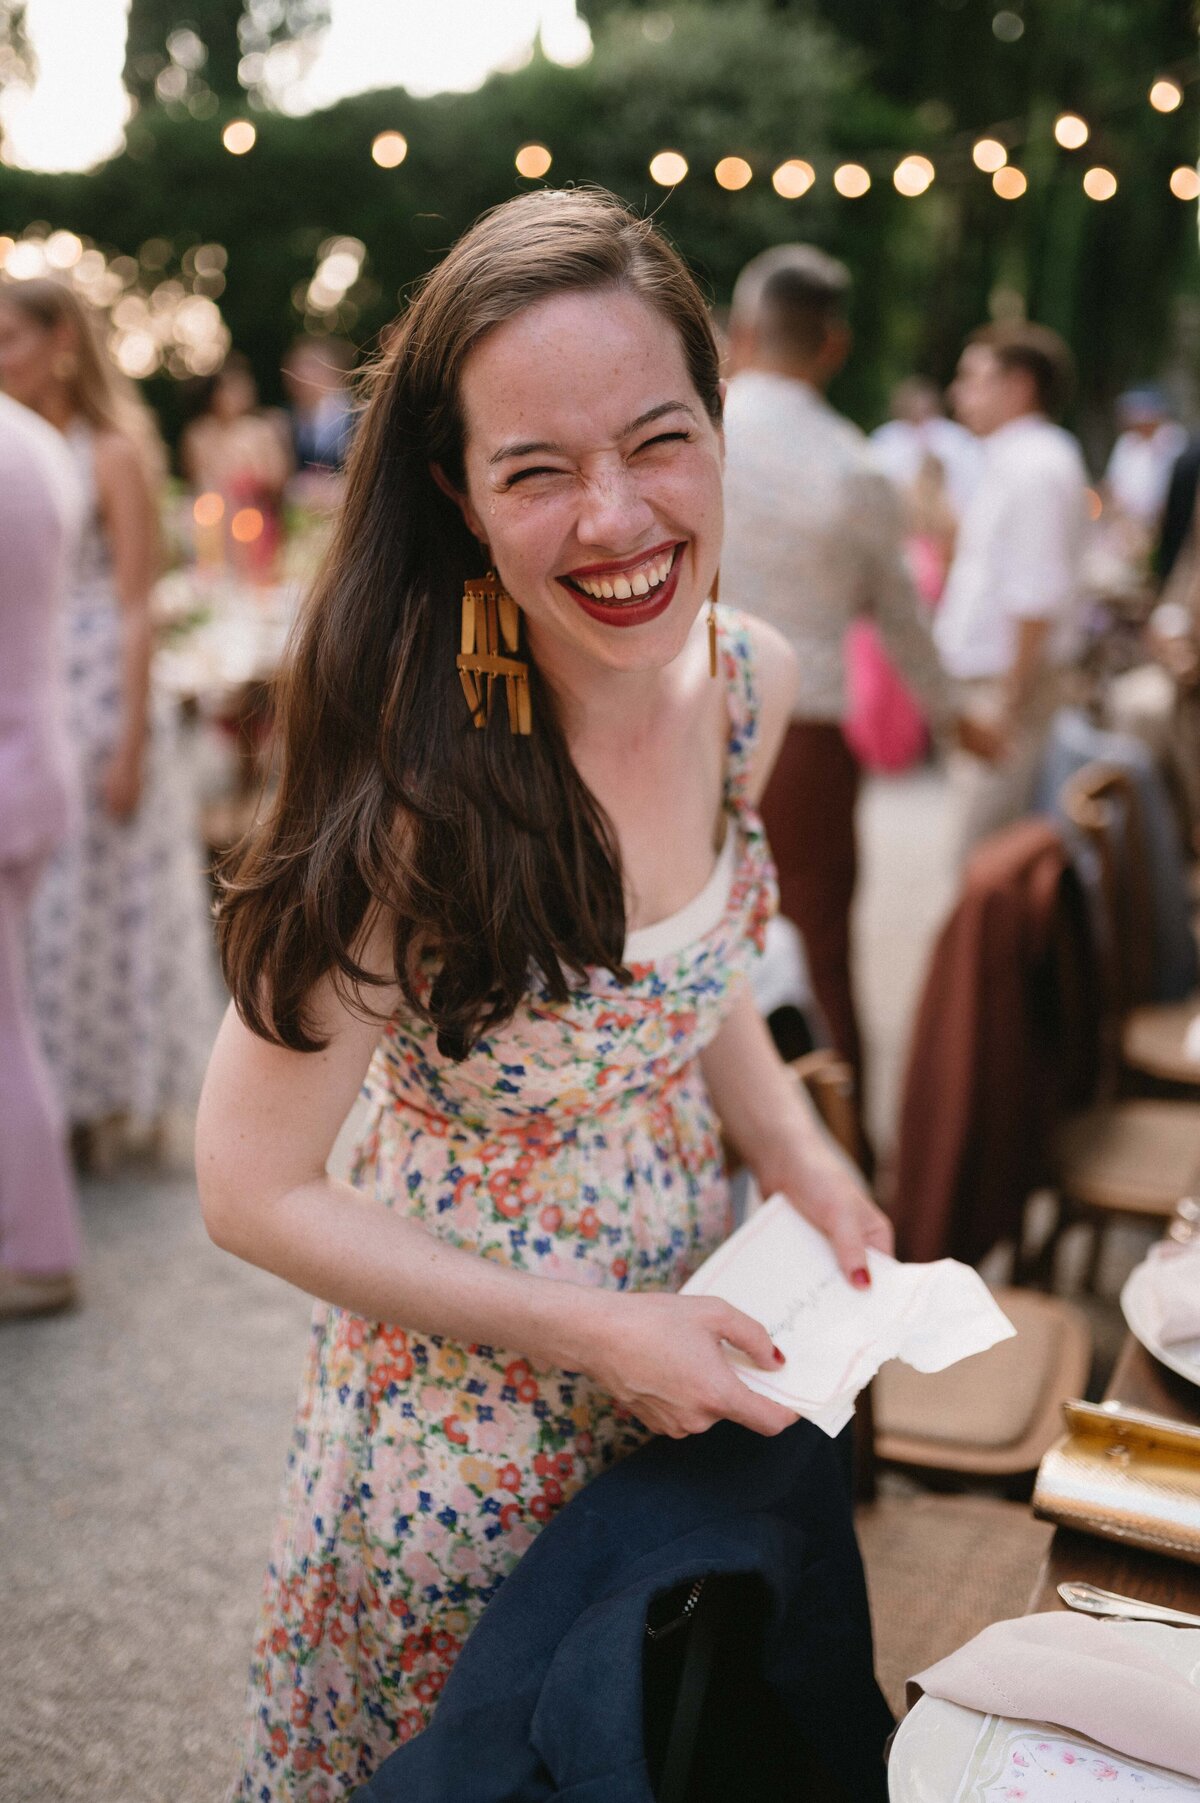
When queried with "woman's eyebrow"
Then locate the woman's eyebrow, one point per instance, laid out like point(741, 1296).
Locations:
point(528, 446)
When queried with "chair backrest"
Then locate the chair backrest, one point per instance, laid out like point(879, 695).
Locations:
point(1102, 804)
point(829, 1083)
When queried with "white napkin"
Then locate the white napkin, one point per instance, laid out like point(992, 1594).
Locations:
point(1080, 1675)
point(1172, 1291)
point(780, 1270)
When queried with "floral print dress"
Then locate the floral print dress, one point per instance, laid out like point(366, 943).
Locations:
point(577, 1141)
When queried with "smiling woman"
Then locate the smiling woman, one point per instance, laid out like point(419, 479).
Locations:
point(462, 916)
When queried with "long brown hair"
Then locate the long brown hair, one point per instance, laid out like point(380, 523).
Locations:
point(104, 397)
point(495, 862)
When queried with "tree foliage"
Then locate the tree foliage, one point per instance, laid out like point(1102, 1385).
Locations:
point(765, 79)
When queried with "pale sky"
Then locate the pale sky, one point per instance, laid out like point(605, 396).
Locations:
point(74, 116)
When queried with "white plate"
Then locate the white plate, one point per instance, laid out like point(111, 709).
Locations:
point(935, 1741)
point(1184, 1355)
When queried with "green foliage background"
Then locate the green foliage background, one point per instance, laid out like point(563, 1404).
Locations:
point(847, 78)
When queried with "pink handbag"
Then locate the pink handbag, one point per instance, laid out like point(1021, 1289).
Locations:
point(884, 727)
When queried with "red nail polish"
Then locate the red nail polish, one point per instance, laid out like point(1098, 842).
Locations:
point(779, 1357)
point(861, 1279)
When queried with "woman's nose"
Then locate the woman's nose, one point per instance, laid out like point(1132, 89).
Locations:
point(614, 512)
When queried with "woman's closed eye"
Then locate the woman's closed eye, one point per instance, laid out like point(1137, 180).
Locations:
point(661, 438)
point(647, 444)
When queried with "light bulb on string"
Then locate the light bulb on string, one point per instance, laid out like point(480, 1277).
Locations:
point(389, 149)
point(913, 175)
point(1009, 183)
point(1166, 95)
point(989, 155)
point(1185, 183)
point(793, 178)
point(851, 181)
point(238, 137)
point(1071, 131)
point(668, 168)
point(1099, 184)
point(733, 173)
point(533, 160)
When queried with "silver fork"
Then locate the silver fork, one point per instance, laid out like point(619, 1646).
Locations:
point(1123, 1608)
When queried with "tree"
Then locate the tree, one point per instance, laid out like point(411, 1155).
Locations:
point(177, 51)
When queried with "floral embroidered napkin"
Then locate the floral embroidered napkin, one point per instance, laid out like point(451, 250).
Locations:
point(778, 1268)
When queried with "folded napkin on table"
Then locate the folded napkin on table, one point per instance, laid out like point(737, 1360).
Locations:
point(780, 1270)
point(1078, 1674)
point(1172, 1291)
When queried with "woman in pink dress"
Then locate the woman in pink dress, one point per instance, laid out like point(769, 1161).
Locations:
point(532, 945)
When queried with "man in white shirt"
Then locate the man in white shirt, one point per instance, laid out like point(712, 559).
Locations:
point(1008, 625)
point(813, 540)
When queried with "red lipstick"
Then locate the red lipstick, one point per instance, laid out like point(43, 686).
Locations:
point(639, 609)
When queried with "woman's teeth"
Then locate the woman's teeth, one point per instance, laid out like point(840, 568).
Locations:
point(633, 582)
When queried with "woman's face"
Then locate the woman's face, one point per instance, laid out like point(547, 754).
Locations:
point(593, 475)
point(27, 353)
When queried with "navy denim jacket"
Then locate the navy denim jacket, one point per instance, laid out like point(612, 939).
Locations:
point(546, 1700)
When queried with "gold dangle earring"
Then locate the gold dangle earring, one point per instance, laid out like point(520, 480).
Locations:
point(713, 598)
point(491, 630)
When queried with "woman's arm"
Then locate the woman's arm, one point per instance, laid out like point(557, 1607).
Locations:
point(771, 1122)
point(268, 1119)
point(131, 525)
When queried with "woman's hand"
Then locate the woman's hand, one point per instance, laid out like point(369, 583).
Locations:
point(824, 1186)
point(121, 784)
point(660, 1358)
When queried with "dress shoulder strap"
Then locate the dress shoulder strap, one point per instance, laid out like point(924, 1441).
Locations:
point(741, 697)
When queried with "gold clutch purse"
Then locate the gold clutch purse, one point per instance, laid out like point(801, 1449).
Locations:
point(1124, 1475)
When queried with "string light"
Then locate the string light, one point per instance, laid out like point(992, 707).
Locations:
point(1166, 95)
point(793, 178)
point(989, 155)
point(733, 173)
point(208, 509)
point(851, 181)
point(390, 149)
point(1009, 183)
point(1071, 131)
point(246, 525)
point(1185, 183)
point(1099, 184)
point(668, 168)
point(238, 137)
point(913, 175)
point(532, 161)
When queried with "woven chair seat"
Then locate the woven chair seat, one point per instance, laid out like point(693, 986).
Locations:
point(1136, 1158)
point(1153, 1038)
point(994, 1414)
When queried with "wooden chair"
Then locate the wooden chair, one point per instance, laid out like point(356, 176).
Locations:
point(992, 1416)
point(1103, 805)
point(1129, 1158)
point(940, 1568)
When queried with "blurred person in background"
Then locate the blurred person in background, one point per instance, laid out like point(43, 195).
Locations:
point(316, 375)
point(814, 543)
point(1148, 445)
point(1008, 626)
point(40, 515)
point(119, 943)
point(240, 451)
point(919, 430)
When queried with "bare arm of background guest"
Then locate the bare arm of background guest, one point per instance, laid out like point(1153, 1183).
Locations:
point(889, 597)
point(131, 525)
point(1026, 667)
